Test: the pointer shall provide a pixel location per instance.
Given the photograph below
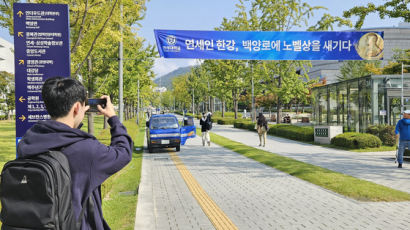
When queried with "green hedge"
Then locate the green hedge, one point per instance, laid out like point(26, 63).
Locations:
point(249, 125)
point(292, 132)
point(226, 114)
point(384, 132)
point(225, 121)
point(356, 140)
point(282, 130)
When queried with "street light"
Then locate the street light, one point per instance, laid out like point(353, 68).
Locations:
point(402, 86)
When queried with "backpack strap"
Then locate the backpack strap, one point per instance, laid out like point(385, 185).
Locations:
point(89, 205)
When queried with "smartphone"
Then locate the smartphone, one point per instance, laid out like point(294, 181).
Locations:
point(93, 102)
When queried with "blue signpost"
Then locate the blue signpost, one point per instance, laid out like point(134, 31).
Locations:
point(41, 48)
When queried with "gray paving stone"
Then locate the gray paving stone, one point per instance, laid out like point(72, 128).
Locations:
point(255, 196)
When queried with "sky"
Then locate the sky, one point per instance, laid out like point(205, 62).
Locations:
point(206, 15)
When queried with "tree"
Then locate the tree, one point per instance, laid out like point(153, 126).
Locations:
point(217, 73)
point(399, 57)
point(91, 23)
point(391, 9)
point(95, 34)
point(7, 90)
point(356, 69)
point(264, 15)
point(180, 91)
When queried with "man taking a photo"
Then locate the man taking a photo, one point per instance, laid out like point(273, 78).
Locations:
point(91, 162)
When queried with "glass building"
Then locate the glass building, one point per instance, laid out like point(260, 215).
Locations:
point(357, 103)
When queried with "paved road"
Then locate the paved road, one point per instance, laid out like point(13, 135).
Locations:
point(378, 167)
point(252, 195)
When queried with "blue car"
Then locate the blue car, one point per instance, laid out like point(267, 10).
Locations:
point(164, 131)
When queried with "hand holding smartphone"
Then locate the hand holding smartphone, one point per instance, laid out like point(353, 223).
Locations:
point(93, 102)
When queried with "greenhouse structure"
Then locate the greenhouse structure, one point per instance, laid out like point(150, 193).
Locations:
point(357, 103)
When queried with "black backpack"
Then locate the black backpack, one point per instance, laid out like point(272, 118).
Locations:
point(208, 124)
point(36, 193)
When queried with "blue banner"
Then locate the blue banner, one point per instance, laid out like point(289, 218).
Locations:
point(41, 48)
point(249, 45)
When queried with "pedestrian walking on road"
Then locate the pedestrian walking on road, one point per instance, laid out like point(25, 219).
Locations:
point(206, 125)
point(262, 128)
point(403, 134)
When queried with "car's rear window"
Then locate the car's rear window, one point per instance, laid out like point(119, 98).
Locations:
point(164, 123)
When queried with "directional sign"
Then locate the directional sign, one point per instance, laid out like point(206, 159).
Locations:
point(41, 47)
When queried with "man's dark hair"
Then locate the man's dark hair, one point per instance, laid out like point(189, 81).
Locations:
point(59, 95)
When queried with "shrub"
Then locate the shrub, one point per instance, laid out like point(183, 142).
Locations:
point(384, 132)
point(356, 140)
point(226, 114)
point(249, 125)
point(283, 130)
point(292, 132)
point(226, 121)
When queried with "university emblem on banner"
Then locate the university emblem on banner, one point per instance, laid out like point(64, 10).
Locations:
point(171, 40)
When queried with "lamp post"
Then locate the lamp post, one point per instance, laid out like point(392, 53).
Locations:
point(120, 72)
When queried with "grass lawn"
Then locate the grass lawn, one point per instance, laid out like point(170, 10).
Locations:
point(340, 183)
point(383, 148)
point(7, 142)
point(119, 191)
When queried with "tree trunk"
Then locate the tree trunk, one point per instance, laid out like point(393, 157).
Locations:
point(297, 108)
point(125, 109)
point(133, 109)
point(90, 95)
point(279, 106)
point(212, 105)
point(235, 103)
point(223, 108)
point(105, 122)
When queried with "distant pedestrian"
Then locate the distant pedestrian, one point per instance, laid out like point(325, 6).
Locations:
point(206, 125)
point(403, 131)
point(262, 128)
point(244, 113)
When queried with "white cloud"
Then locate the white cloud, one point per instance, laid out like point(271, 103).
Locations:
point(163, 66)
point(193, 62)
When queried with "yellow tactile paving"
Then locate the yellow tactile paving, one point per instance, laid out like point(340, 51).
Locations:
point(214, 213)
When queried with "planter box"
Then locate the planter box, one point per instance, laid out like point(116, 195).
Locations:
point(323, 134)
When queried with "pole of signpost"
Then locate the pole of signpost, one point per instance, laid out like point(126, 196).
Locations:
point(120, 73)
